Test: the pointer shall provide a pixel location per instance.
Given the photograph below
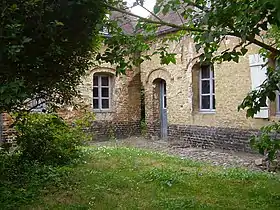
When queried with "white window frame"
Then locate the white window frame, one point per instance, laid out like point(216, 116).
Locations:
point(211, 80)
point(100, 98)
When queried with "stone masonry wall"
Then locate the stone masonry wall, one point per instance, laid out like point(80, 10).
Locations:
point(224, 128)
point(123, 119)
point(232, 83)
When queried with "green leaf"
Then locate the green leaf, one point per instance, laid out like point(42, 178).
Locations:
point(156, 9)
point(58, 23)
point(244, 51)
point(166, 9)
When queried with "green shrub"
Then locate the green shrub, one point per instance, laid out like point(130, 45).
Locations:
point(22, 181)
point(268, 142)
point(46, 138)
point(144, 128)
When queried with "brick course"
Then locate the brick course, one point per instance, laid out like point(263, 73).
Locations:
point(105, 130)
point(7, 133)
point(212, 137)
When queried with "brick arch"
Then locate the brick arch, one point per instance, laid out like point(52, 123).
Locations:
point(159, 73)
point(152, 101)
point(107, 70)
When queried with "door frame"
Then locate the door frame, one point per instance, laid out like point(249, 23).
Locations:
point(163, 110)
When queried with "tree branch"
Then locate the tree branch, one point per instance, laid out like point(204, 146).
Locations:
point(263, 45)
point(153, 14)
point(161, 23)
point(182, 27)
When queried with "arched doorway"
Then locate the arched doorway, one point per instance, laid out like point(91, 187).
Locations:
point(160, 107)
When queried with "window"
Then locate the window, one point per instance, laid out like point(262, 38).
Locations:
point(104, 30)
point(38, 105)
point(101, 92)
point(207, 89)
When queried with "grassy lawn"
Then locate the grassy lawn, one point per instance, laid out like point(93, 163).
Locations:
point(122, 178)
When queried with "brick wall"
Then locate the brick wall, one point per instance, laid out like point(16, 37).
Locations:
point(6, 132)
point(212, 137)
point(153, 130)
point(105, 130)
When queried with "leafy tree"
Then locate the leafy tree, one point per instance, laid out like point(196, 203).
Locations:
point(45, 48)
point(208, 22)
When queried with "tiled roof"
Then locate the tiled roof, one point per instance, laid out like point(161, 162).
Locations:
point(171, 17)
point(128, 23)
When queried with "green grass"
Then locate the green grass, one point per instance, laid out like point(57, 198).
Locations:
point(127, 178)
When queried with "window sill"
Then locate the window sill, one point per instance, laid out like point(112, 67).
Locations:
point(206, 112)
point(103, 111)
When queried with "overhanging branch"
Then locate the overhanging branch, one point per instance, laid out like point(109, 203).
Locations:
point(185, 28)
point(160, 23)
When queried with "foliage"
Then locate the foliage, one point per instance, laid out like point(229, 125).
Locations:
point(129, 178)
point(46, 138)
point(47, 150)
point(45, 48)
point(125, 50)
point(85, 121)
point(22, 182)
point(268, 142)
point(251, 22)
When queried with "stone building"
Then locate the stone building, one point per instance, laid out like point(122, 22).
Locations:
point(198, 104)
point(188, 102)
point(115, 101)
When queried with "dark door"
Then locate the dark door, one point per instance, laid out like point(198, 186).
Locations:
point(163, 109)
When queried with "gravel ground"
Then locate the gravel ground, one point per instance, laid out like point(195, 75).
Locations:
point(214, 157)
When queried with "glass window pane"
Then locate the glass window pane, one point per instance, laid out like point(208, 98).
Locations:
point(213, 88)
point(205, 102)
point(95, 104)
point(205, 72)
point(105, 92)
point(95, 81)
point(104, 81)
point(105, 103)
point(95, 92)
point(164, 102)
point(214, 102)
point(164, 88)
point(205, 86)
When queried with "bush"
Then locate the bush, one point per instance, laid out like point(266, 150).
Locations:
point(21, 182)
point(268, 142)
point(46, 138)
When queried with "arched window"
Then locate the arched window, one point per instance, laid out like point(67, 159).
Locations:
point(102, 92)
point(207, 89)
